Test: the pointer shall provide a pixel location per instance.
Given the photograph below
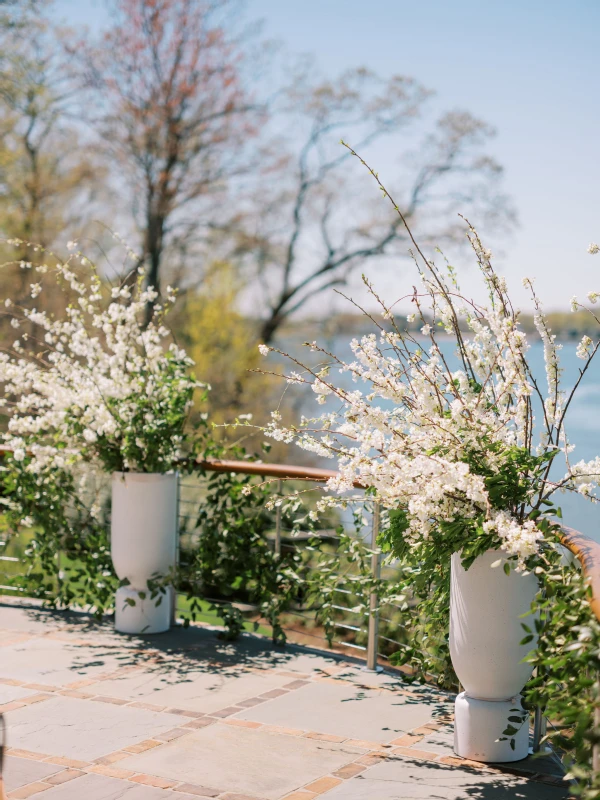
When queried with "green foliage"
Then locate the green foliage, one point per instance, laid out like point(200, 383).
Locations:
point(231, 560)
point(566, 658)
point(341, 576)
point(424, 585)
point(68, 555)
point(565, 682)
point(142, 442)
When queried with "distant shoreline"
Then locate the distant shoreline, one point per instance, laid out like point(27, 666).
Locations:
point(567, 326)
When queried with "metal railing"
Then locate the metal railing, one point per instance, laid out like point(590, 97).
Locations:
point(352, 628)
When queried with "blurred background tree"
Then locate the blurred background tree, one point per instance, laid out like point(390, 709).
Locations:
point(49, 178)
point(220, 339)
point(311, 225)
point(175, 117)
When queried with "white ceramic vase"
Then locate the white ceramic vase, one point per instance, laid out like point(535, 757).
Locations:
point(143, 546)
point(486, 616)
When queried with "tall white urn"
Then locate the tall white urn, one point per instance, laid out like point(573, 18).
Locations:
point(486, 616)
point(143, 546)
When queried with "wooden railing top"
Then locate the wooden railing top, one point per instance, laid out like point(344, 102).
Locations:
point(281, 471)
point(586, 550)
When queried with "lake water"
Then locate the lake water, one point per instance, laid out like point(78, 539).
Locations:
point(582, 425)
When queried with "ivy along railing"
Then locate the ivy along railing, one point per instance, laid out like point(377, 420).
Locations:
point(587, 553)
point(356, 633)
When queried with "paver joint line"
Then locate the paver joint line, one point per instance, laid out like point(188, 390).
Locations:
point(64, 776)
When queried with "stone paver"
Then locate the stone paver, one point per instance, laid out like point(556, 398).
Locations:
point(94, 715)
point(206, 690)
point(244, 760)
point(81, 729)
point(21, 771)
point(440, 741)
point(97, 787)
point(343, 710)
point(21, 619)
point(307, 662)
point(52, 662)
point(10, 693)
point(402, 779)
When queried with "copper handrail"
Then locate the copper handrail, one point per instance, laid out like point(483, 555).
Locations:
point(280, 471)
point(587, 552)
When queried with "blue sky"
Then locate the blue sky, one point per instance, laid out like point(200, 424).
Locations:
point(531, 68)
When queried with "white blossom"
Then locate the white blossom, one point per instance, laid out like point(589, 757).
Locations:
point(584, 347)
point(81, 396)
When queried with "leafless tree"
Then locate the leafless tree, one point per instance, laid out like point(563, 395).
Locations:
point(314, 220)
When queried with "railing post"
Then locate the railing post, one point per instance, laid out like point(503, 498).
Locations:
point(177, 555)
point(373, 640)
point(596, 747)
point(540, 724)
point(278, 519)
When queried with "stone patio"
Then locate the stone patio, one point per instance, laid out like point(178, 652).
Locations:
point(93, 715)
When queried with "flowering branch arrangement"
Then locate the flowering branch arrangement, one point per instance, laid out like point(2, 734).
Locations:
point(466, 449)
point(449, 442)
point(95, 384)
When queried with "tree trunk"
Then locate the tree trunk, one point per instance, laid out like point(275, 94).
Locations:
point(154, 248)
point(270, 326)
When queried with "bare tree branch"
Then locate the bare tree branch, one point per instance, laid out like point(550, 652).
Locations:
point(312, 232)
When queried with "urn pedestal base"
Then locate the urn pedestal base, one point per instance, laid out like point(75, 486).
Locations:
point(145, 616)
point(478, 724)
point(487, 611)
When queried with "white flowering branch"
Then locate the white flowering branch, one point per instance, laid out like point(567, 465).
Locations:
point(96, 384)
point(449, 448)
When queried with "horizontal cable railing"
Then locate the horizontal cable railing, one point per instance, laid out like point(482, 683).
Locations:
point(353, 632)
